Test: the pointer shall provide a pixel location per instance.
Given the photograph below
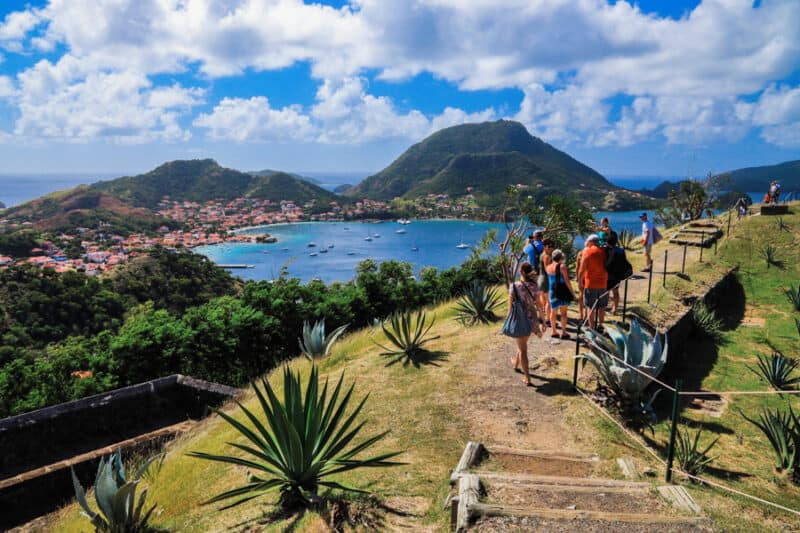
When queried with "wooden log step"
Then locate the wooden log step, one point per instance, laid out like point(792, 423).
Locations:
point(628, 467)
point(94, 454)
point(546, 454)
point(469, 491)
point(469, 457)
point(522, 484)
point(561, 480)
point(484, 509)
point(679, 497)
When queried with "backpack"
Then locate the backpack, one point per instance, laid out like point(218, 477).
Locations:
point(618, 266)
point(656, 235)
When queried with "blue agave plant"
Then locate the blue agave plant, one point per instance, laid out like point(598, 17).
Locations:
point(635, 349)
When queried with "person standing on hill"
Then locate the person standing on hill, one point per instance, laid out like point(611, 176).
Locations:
point(543, 281)
point(526, 291)
point(534, 248)
point(617, 267)
point(595, 280)
point(559, 299)
point(647, 240)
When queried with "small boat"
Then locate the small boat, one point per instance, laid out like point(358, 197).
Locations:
point(311, 244)
point(346, 228)
point(351, 253)
point(313, 254)
point(376, 235)
point(284, 249)
point(415, 248)
point(330, 246)
point(323, 250)
point(462, 246)
point(265, 251)
point(401, 230)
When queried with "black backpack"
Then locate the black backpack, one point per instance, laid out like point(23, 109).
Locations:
point(618, 265)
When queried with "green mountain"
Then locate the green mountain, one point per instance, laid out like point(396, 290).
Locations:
point(270, 172)
point(487, 157)
point(200, 180)
point(757, 179)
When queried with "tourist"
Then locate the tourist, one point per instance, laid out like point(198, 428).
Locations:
point(526, 291)
point(534, 248)
point(604, 230)
point(616, 266)
point(542, 281)
point(581, 307)
point(595, 280)
point(647, 240)
point(561, 293)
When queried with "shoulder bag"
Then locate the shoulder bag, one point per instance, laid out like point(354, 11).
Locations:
point(517, 323)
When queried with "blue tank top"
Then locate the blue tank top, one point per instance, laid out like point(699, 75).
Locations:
point(552, 279)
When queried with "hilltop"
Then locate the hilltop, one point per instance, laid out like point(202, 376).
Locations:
point(200, 180)
point(271, 172)
point(755, 179)
point(486, 158)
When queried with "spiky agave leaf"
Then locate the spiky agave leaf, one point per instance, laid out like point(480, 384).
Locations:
point(298, 442)
point(314, 342)
point(477, 304)
point(793, 295)
point(692, 459)
point(782, 432)
point(777, 370)
point(408, 333)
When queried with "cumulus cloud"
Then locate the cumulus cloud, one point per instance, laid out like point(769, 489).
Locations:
point(255, 120)
point(683, 78)
point(61, 101)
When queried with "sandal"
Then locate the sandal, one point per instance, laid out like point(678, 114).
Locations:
point(555, 335)
point(565, 336)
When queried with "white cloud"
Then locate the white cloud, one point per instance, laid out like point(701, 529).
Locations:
point(254, 120)
point(60, 101)
point(570, 58)
point(6, 87)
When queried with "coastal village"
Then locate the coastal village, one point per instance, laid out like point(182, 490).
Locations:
point(209, 223)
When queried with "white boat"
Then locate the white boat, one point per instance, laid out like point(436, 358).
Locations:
point(376, 235)
point(311, 244)
point(367, 238)
point(284, 249)
point(404, 221)
point(351, 253)
point(462, 246)
point(415, 248)
point(323, 250)
point(313, 254)
point(400, 231)
point(330, 246)
point(346, 228)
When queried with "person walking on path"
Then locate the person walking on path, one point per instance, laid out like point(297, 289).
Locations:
point(616, 264)
point(558, 277)
point(526, 291)
point(579, 281)
point(543, 282)
point(647, 240)
point(595, 280)
point(534, 248)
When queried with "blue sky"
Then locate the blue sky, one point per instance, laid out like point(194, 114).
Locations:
point(647, 87)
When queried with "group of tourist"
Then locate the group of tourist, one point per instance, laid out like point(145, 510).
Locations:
point(545, 289)
point(773, 194)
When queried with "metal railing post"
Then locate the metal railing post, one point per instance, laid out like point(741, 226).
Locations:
point(683, 262)
point(577, 352)
point(673, 429)
point(649, 282)
point(702, 244)
point(625, 301)
point(729, 224)
point(664, 277)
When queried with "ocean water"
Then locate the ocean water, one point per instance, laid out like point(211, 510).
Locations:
point(19, 188)
point(436, 241)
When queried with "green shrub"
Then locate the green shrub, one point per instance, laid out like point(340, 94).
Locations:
point(626, 239)
point(298, 444)
point(120, 511)
point(314, 342)
point(706, 322)
point(408, 333)
point(777, 370)
point(770, 255)
point(691, 458)
point(477, 304)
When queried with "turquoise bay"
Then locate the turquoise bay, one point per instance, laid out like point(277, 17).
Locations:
point(436, 241)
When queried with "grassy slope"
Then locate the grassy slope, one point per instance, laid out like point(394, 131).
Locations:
point(742, 448)
point(419, 406)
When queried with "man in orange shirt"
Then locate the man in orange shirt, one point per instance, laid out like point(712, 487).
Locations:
point(595, 278)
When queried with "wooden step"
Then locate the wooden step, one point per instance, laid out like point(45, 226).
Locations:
point(679, 497)
point(483, 509)
point(547, 454)
point(561, 480)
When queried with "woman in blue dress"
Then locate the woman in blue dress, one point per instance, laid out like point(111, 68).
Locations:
point(558, 274)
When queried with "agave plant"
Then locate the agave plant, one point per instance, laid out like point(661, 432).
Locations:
point(797, 325)
point(770, 255)
point(314, 342)
point(782, 430)
point(477, 304)
point(691, 457)
point(120, 511)
point(626, 239)
point(616, 358)
point(793, 295)
point(298, 444)
point(777, 370)
point(706, 321)
point(408, 333)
